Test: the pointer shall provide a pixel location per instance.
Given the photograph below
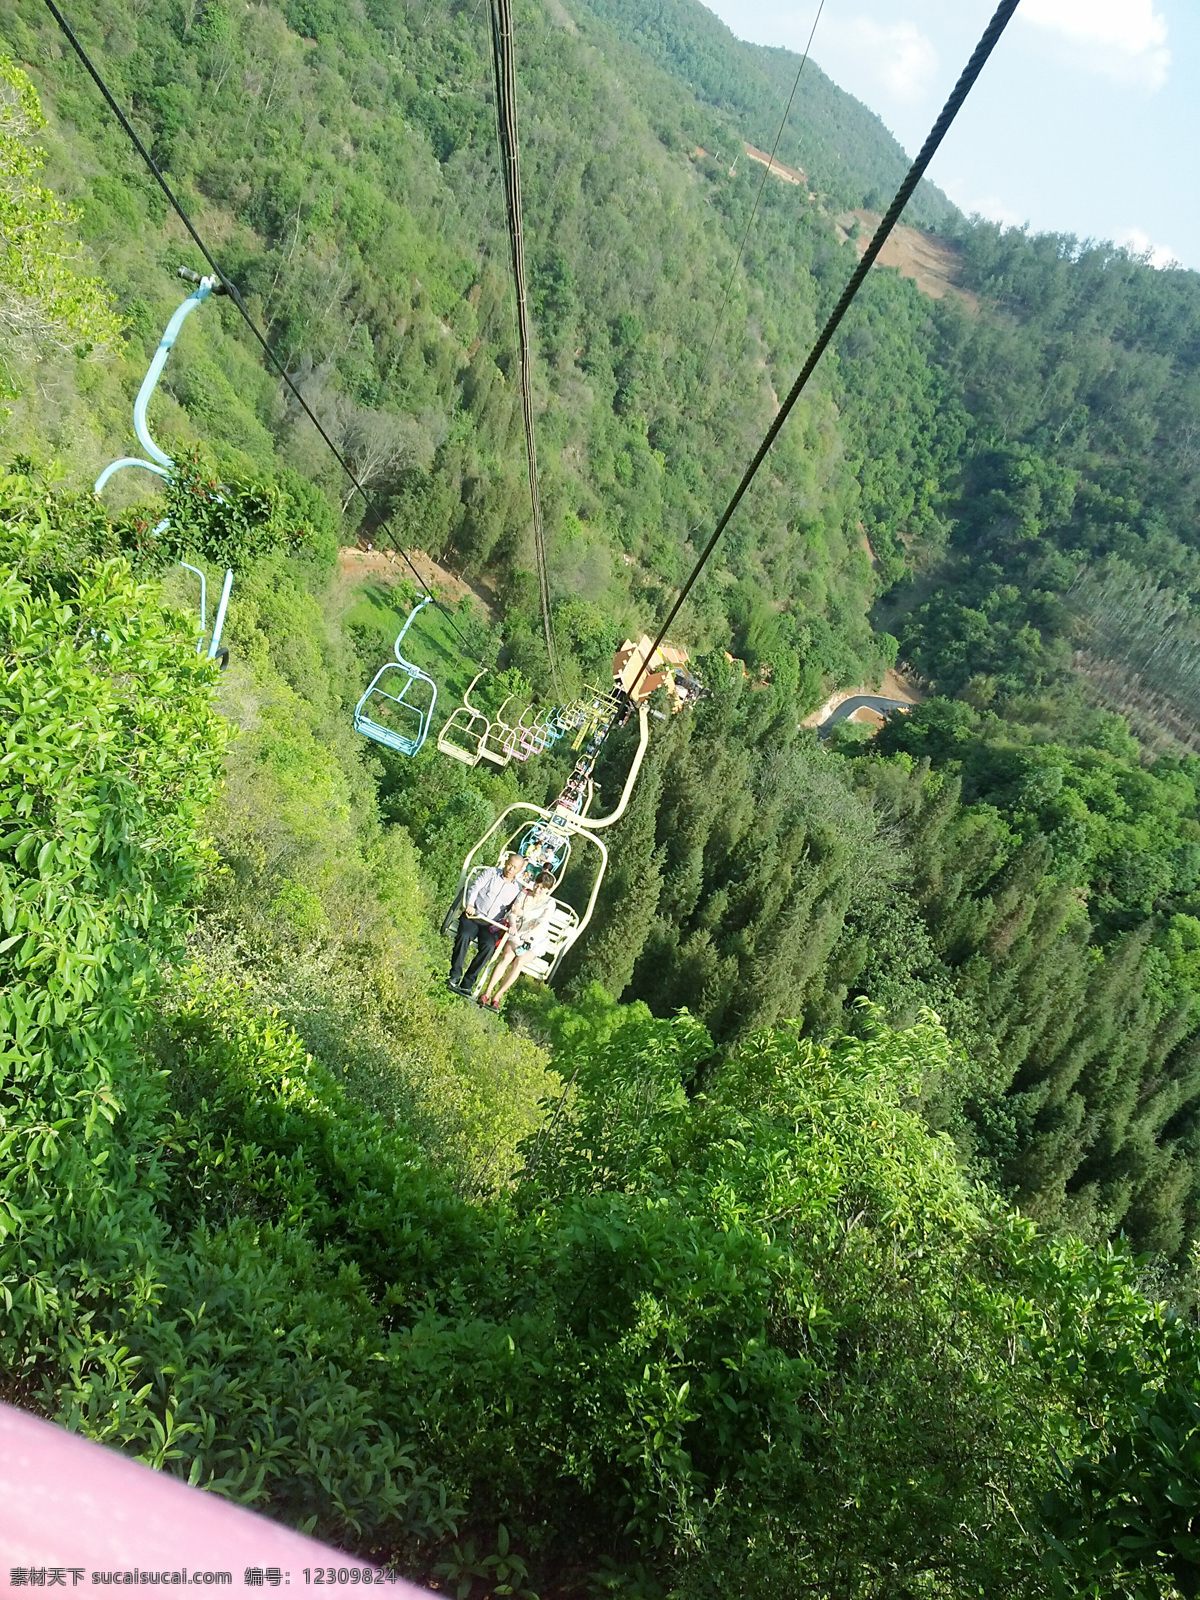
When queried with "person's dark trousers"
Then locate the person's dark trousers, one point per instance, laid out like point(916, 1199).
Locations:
point(470, 929)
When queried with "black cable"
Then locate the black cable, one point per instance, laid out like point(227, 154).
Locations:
point(950, 110)
point(787, 111)
point(232, 291)
point(505, 72)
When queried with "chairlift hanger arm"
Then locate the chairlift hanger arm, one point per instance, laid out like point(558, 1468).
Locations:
point(467, 693)
point(163, 466)
point(160, 463)
point(204, 287)
point(408, 622)
point(635, 768)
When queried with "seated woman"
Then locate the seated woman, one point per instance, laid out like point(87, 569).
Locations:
point(528, 928)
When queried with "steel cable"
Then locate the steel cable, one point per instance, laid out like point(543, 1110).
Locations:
point(505, 73)
point(991, 34)
point(787, 111)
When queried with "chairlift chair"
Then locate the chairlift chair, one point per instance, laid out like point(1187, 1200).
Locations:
point(562, 722)
point(502, 840)
point(520, 742)
point(531, 738)
point(533, 735)
point(465, 733)
point(410, 714)
point(216, 651)
point(546, 847)
point(162, 465)
point(566, 923)
point(598, 707)
point(544, 733)
point(494, 746)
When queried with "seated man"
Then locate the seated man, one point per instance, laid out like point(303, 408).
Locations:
point(486, 900)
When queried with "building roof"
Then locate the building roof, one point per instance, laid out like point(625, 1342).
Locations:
point(627, 663)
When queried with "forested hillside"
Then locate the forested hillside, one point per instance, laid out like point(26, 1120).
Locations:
point(844, 150)
point(351, 180)
point(831, 1228)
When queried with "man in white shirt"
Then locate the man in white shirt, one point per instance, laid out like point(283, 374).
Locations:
point(488, 895)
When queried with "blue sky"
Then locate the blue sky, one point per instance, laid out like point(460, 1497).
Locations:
point(1086, 120)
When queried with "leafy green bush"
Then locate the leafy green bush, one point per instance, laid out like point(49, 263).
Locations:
point(739, 1325)
point(45, 297)
point(766, 1340)
point(164, 1285)
point(1125, 1515)
point(110, 749)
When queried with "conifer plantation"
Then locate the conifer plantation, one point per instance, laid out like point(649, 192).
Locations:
point(830, 1226)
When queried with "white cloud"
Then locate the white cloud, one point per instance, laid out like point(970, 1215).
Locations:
point(1140, 244)
point(990, 206)
point(1123, 39)
point(899, 57)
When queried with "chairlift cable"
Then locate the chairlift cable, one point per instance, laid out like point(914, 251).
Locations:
point(787, 111)
point(234, 294)
point(505, 74)
point(958, 94)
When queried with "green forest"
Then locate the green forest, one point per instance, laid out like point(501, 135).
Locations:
point(831, 1225)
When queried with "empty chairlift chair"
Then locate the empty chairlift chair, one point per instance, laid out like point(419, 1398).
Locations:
point(544, 731)
point(163, 466)
point(408, 720)
point(465, 735)
point(216, 650)
point(494, 747)
point(520, 741)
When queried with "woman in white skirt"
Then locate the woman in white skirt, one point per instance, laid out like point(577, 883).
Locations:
point(528, 926)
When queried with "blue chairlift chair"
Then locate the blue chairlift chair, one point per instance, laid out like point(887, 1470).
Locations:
point(412, 718)
point(544, 731)
point(216, 651)
point(162, 464)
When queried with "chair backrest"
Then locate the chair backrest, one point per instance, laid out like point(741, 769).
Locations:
point(160, 462)
point(494, 745)
point(561, 927)
point(414, 716)
point(520, 741)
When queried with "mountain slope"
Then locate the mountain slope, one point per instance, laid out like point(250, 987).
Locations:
point(844, 148)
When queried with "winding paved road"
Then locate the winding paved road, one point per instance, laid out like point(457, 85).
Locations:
point(875, 702)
